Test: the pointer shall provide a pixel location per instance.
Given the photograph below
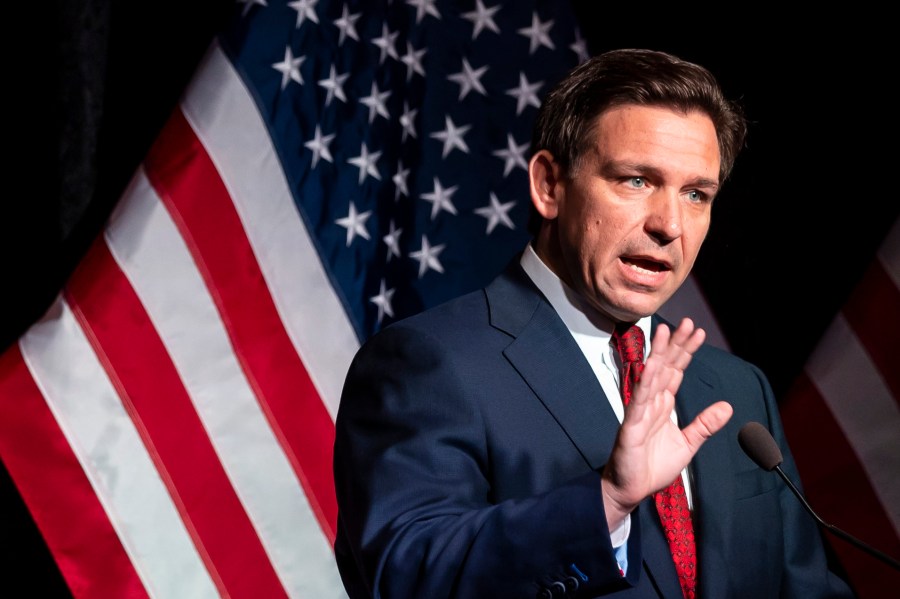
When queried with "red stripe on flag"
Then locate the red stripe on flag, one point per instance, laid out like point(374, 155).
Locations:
point(838, 489)
point(873, 312)
point(54, 487)
point(144, 376)
point(185, 177)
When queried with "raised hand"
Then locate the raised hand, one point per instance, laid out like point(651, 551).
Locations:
point(650, 450)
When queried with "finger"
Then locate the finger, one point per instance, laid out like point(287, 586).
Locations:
point(696, 339)
point(653, 380)
point(663, 334)
point(685, 341)
point(687, 350)
point(661, 340)
point(683, 330)
point(647, 404)
point(675, 381)
point(656, 368)
point(706, 424)
point(681, 333)
point(682, 338)
point(672, 357)
point(686, 334)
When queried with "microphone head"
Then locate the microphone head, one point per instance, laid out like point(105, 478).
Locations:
point(758, 444)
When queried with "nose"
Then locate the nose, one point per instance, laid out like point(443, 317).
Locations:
point(664, 217)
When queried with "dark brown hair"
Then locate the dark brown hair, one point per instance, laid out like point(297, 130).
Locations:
point(567, 118)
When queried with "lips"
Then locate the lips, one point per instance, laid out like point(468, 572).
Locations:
point(646, 264)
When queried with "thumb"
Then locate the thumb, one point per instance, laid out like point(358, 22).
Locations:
point(706, 424)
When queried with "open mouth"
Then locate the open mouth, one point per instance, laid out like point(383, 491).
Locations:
point(646, 265)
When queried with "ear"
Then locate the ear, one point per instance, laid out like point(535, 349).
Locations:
point(547, 189)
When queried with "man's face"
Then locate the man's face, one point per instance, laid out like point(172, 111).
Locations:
point(623, 228)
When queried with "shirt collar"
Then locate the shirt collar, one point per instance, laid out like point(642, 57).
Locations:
point(576, 313)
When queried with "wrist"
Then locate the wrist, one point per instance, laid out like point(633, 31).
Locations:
point(615, 507)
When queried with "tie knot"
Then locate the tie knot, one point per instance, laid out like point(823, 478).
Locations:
point(629, 341)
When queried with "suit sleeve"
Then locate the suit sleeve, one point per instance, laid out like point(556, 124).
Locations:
point(412, 475)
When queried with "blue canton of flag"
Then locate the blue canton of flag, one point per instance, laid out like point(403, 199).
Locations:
point(404, 131)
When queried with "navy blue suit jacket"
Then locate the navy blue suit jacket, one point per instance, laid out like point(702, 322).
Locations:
point(469, 444)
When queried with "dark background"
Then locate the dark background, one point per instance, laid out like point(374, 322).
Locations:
point(809, 202)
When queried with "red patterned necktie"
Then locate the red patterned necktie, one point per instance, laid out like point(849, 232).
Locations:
point(671, 502)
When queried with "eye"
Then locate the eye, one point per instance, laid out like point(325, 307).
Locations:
point(696, 196)
point(637, 182)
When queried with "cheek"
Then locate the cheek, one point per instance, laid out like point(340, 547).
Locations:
point(591, 217)
point(604, 228)
point(595, 241)
point(593, 227)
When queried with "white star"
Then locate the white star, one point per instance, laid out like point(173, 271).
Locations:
point(399, 180)
point(424, 6)
point(366, 163)
point(452, 137)
point(440, 199)
point(305, 11)
point(383, 301)
point(392, 241)
point(496, 213)
point(334, 85)
point(514, 155)
point(469, 79)
point(347, 25)
point(482, 18)
point(413, 61)
point(386, 43)
point(289, 67)
point(407, 120)
point(525, 94)
point(538, 33)
point(375, 102)
point(355, 223)
point(579, 47)
point(428, 257)
point(319, 146)
point(248, 4)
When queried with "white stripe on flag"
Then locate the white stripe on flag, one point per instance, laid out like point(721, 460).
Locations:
point(150, 251)
point(113, 456)
point(863, 407)
point(225, 118)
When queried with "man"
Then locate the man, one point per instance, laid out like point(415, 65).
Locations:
point(514, 442)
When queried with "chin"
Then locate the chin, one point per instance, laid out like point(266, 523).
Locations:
point(632, 311)
point(629, 305)
point(629, 313)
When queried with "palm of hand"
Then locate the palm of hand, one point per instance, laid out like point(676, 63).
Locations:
point(650, 450)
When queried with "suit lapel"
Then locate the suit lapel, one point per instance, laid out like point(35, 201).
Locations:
point(713, 488)
point(546, 356)
point(712, 481)
point(562, 379)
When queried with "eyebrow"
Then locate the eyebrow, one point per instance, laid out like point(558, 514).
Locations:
point(704, 183)
point(614, 168)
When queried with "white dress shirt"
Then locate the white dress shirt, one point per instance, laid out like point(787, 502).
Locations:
point(592, 332)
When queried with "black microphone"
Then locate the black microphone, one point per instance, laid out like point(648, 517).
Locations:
point(758, 444)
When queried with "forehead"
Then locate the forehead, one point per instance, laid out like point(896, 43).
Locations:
point(658, 137)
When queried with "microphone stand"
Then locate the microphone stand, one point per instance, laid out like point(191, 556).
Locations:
point(837, 531)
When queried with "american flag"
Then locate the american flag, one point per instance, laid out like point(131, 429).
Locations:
point(402, 129)
point(842, 418)
point(332, 167)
